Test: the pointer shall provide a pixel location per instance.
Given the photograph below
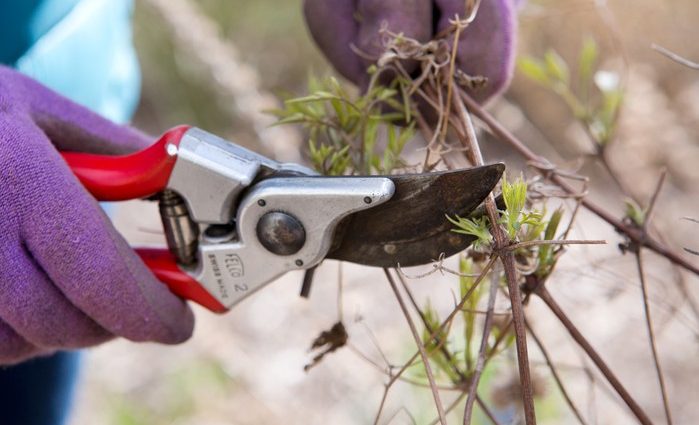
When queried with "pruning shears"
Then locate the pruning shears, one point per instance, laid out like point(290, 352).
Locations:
point(235, 220)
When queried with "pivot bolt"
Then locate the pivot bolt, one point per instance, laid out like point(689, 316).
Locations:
point(281, 233)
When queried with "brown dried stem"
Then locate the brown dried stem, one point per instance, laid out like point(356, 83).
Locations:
point(421, 348)
point(480, 361)
point(446, 321)
point(651, 335)
point(554, 373)
point(635, 235)
point(508, 262)
point(675, 57)
point(451, 407)
point(527, 244)
point(646, 305)
point(545, 296)
point(462, 377)
point(441, 327)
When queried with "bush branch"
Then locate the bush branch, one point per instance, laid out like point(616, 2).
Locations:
point(421, 348)
point(635, 235)
point(545, 296)
point(508, 262)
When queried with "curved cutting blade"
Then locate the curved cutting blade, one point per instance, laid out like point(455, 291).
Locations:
point(412, 228)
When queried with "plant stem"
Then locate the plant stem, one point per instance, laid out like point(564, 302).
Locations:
point(675, 57)
point(634, 235)
point(451, 407)
point(545, 296)
point(486, 410)
point(421, 348)
point(480, 361)
point(447, 354)
point(555, 375)
point(507, 259)
point(651, 335)
point(442, 348)
point(446, 321)
point(526, 244)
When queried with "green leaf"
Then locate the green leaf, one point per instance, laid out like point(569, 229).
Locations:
point(477, 227)
point(432, 345)
point(515, 197)
point(546, 252)
point(514, 194)
point(587, 61)
point(534, 69)
point(345, 130)
point(535, 224)
point(406, 134)
point(605, 119)
point(466, 267)
point(315, 97)
point(552, 226)
point(634, 212)
point(293, 118)
point(557, 67)
point(370, 134)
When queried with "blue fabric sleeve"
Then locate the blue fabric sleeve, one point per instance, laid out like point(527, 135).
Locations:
point(23, 22)
point(89, 57)
point(39, 391)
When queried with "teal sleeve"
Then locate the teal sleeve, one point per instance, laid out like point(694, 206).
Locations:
point(87, 56)
point(23, 22)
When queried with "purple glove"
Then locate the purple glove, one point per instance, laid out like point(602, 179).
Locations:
point(486, 47)
point(67, 278)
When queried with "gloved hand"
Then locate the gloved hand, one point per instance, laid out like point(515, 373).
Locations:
point(486, 47)
point(67, 278)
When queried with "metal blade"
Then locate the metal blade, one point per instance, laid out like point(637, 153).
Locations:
point(412, 228)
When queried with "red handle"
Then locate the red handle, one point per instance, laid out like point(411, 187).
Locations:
point(134, 176)
point(165, 268)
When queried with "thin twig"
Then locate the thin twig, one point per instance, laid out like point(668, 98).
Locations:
point(486, 410)
point(462, 377)
point(447, 354)
point(386, 388)
point(375, 342)
point(507, 259)
point(367, 359)
point(651, 334)
point(481, 404)
point(480, 361)
point(636, 409)
point(633, 234)
point(451, 82)
point(654, 200)
point(646, 305)
point(554, 373)
point(426, 323)
point(438, 267)
point(451, 407)
point(402, 409)
point(591, 394)
point(675, 57)
point(693, 220)
point(340, 286)
point(421, 348)
point(573, 216)
point(526, 244)
point(441, 327)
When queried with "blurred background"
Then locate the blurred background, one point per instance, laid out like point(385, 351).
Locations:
point(216, 63)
